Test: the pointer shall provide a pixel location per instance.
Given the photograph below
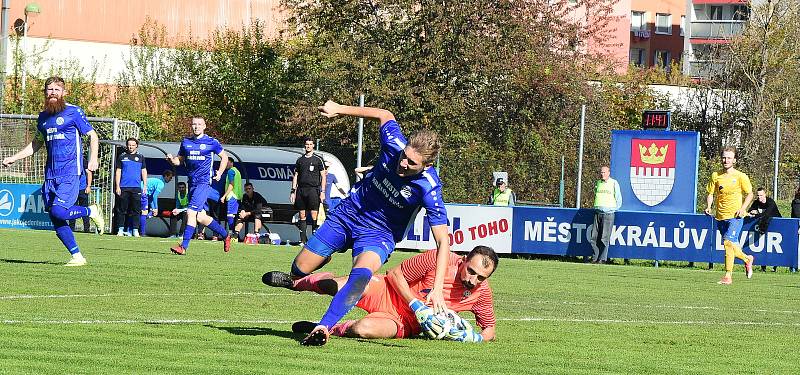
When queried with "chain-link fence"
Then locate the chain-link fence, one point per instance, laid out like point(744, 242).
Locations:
point(16, 131)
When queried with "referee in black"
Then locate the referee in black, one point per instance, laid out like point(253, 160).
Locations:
point(308, 186)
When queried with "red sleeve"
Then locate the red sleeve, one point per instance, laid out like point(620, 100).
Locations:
point(416, 267)
point(484, 308)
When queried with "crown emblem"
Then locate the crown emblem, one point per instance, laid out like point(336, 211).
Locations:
point(653, 154)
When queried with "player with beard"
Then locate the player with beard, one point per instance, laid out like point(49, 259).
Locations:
point(387, 297)
point(61, 126)
point(374, 217)
point(198, 152)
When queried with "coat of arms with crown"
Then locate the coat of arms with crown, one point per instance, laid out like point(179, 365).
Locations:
point(652, 169)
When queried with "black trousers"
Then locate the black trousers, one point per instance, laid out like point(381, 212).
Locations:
point(129, 205)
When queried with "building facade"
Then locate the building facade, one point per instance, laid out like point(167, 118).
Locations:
point(656, 32)
point(710, 24)
point(57, 29)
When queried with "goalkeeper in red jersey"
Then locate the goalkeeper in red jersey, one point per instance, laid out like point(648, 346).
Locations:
point(392, 301)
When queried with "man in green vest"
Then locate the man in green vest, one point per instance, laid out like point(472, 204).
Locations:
point(179, 213)
point(607, 200)
point(501, 194)
point(233, 193)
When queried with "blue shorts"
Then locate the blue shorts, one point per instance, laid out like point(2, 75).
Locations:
point(62, 191)
point(731, 229)
point(233, 207)
point(339, 233)
point(198, 196)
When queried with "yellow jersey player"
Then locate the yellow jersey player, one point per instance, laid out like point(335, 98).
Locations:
point(725, 191)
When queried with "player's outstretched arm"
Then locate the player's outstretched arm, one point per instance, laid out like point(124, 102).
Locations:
point(333, 109)
point(26, 151)
point(436, 296)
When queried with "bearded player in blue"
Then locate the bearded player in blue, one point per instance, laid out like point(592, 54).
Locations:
point(61, 126)
point(374, 217)
point(198, 154)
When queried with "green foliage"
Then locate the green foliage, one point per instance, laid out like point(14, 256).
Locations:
point(666, 320)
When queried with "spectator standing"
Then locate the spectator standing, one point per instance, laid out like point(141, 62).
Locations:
point(233, 193)
point(501, 195)
point(607, 200)
point(308, 185)
point(130, 179)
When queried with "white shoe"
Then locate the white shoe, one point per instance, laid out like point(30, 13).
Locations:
point(136, 233)
point(97, 217)
point(76, 262)
point(121, 233)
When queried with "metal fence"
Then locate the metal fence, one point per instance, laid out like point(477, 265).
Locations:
point(16, 131)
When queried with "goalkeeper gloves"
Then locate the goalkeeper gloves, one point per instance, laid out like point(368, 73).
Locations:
point(426, 319)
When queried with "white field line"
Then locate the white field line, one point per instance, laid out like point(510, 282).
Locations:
point(610, 304)
point(653, 322)
point(115, 295)
point(148, 321)
point(526, 319)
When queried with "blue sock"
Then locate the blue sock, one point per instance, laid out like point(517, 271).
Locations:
point(142, 224)
point(64, 233)
point(217, 228)
point(187, 236)
point(296, 272)
point(73, 212)
point(347, 297)
point(230, 222)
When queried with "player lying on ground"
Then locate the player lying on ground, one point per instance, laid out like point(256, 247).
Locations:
point(373, 218)
point(392, 301)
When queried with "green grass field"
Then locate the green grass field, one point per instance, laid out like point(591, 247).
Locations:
point(138, 309)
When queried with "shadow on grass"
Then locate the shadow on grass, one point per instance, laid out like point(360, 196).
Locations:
point(384, 344)
point(136, 251)
point(257, 331)
point(21, 261)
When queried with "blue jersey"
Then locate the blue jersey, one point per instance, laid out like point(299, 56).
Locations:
point(62, 136)
point(154, 187)
point(199, 156)
point(385, 201)
point(330, 179)
point(130, 166)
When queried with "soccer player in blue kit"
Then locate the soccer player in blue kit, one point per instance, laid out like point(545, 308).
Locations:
point(198, 154)
point(61, 126)
point(375, 216)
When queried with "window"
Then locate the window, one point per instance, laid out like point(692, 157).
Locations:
point(663, 23)
point(683, 24)
point(662, 59)
point(637, 56)
point(716, 12)
point(741, 12)
point(638, 21)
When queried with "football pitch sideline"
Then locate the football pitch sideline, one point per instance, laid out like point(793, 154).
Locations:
point(136, 308)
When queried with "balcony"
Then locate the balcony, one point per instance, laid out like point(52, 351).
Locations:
point(706, 69)
point(717, 29)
